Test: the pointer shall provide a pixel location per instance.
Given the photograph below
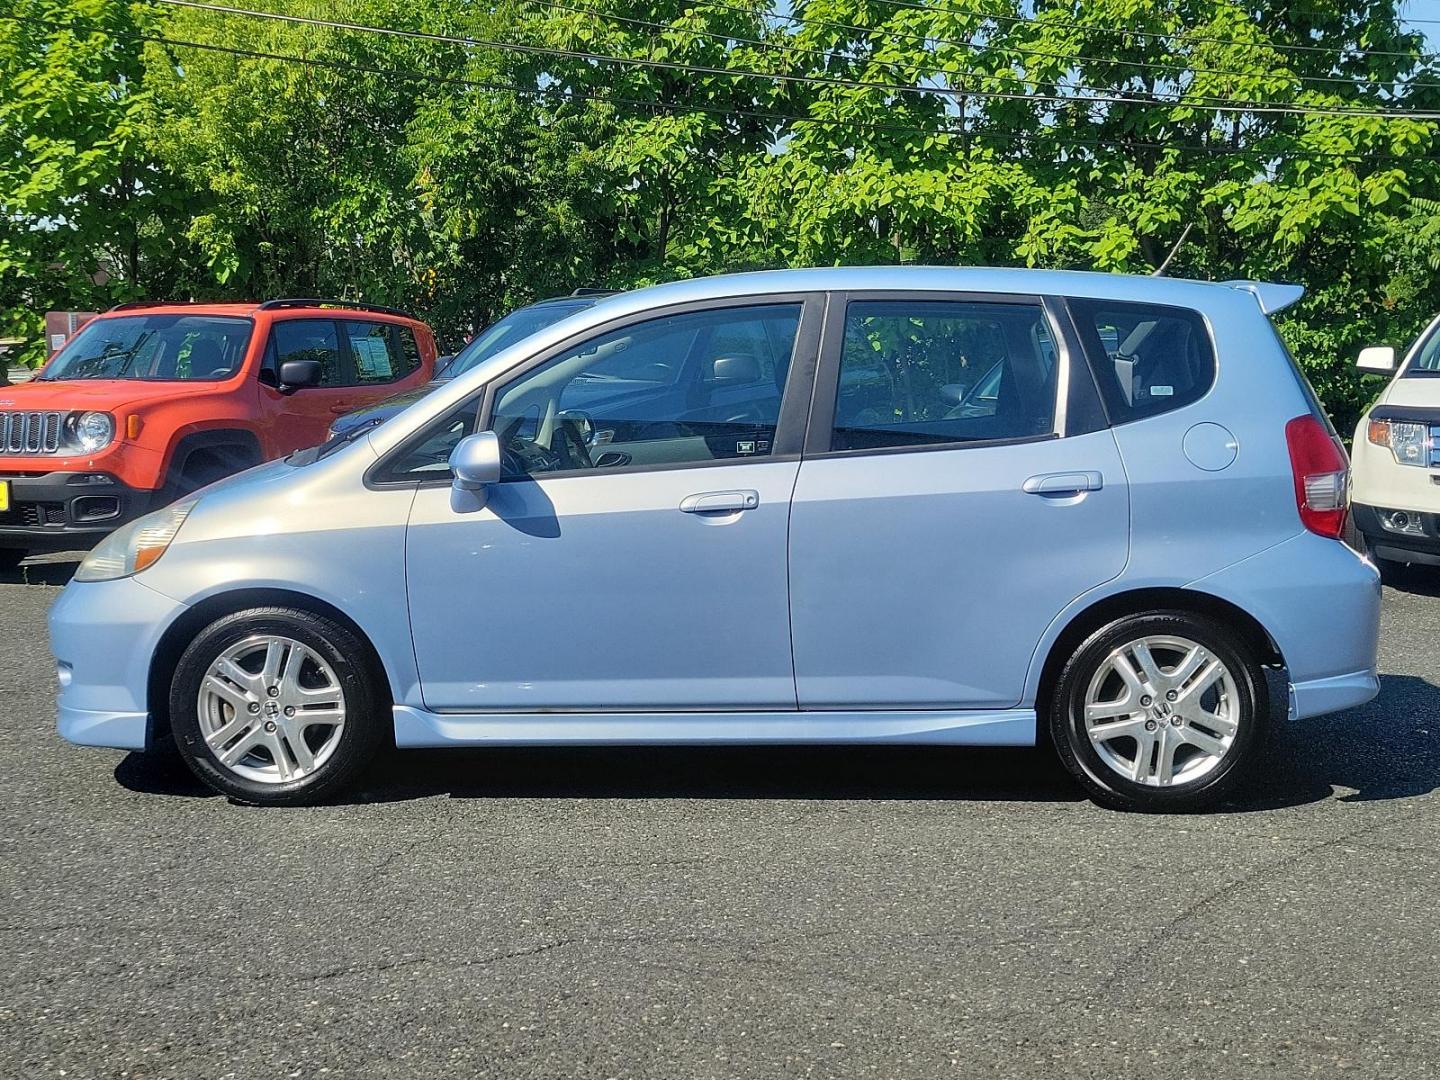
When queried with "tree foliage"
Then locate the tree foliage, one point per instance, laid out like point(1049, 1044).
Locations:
point(462, 177)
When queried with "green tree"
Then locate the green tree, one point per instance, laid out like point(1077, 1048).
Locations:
point(87, 213)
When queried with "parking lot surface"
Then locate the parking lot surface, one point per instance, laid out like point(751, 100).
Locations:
point(891, 913)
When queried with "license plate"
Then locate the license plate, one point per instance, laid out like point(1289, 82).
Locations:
point(4, 496)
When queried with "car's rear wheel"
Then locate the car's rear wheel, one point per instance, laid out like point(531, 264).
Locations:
point(1161, 712)
point(276, 706)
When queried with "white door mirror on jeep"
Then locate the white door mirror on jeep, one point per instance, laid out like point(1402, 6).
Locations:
point(1376, 358)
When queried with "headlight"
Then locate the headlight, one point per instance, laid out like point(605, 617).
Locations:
point(91, 431)
point(1410, 443)
point(138, 545)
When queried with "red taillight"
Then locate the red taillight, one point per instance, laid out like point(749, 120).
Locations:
point(1320, 471)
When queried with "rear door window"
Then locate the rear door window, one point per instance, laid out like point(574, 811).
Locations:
point(937, 372)
point(1148, 359)
point(380, 352)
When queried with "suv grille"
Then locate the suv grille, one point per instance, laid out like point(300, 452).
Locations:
point(1435, 446)
point(30, 432)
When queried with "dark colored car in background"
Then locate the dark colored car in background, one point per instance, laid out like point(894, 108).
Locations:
point(518, 325)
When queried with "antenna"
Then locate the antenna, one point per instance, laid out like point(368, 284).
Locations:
point(1159, 271)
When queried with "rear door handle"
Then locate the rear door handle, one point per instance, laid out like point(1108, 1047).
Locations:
point(1070, 483)
point(720, 502)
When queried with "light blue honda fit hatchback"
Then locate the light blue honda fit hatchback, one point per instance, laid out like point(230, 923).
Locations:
point(903, 505)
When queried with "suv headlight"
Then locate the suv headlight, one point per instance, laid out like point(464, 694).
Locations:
point(140, 544)
point(91, 431)
point(1410, 443)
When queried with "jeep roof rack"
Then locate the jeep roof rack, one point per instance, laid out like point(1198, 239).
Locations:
point(318, 301)
point(131, 304)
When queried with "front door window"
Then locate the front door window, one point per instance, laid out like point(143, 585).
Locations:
point(691, 388)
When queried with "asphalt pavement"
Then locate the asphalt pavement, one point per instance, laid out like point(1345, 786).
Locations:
point(891, 913)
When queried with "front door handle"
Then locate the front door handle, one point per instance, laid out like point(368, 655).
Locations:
point(1069, 483)
point(720, 502)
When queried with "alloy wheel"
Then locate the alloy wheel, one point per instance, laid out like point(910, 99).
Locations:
point(1162, 710)
point(271, 709)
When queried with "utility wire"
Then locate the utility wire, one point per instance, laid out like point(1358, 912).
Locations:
point(941, 130)
point(810, 80)
point(995, 47)
point(912, 35)
point(1185, 36)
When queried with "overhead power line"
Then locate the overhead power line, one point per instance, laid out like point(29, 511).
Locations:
point(1185, 36)
point(1022, 139)
point(810, 80)
point(1008, 47)
point(997, 47)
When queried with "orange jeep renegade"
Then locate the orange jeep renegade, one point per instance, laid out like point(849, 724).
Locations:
point(150, 401)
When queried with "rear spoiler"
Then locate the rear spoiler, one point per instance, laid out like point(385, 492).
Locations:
point(1272, 297)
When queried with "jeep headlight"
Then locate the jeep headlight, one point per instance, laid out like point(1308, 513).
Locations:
point(1410, 443)
point(140, 544)
point(91, 431)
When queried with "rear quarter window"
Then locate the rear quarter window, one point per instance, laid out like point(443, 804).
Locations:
point(1148, 358)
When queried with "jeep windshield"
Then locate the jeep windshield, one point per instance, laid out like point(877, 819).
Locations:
point(154, 348)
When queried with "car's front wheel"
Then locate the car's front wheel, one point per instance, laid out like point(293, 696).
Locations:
point(276, 706)
point(1160, 711)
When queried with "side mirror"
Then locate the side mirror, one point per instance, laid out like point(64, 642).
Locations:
point(736, 369)
point(1376, 358)
point(299, 374)
point(952, 394)
point(475, 461)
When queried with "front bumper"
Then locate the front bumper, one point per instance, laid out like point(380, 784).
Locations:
point(1397, 546)
point(104, 635)
point(67, 511)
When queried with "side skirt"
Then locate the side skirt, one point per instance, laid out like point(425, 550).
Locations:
point(1005, 727)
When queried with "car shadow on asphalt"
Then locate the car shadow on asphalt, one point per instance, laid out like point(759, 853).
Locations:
point(1389, 749)
point(47, 570)
point(1415, 580)
point(674, 772)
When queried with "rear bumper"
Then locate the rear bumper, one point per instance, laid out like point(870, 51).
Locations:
point(65, 511)
point(1320, 603)
point(1320, 696)
point(104, 635)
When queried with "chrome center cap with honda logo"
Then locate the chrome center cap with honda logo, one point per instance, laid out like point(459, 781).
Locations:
point(272, 710)
point(1161, 712)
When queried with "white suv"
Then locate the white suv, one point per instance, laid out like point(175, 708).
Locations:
point(1395, 497)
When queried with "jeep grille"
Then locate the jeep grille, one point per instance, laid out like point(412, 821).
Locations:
point(30, 432)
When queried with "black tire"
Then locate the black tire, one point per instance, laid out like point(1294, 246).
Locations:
point(366, 701)
point(11, 558)
point(201, 469)
point(1103, 783)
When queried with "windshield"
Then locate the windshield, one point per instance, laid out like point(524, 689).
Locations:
point(1427, 360)
point(155, 348)
point(501, 335)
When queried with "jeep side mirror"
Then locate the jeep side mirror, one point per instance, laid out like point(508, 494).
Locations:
point(299, 374)
point(1376, 358)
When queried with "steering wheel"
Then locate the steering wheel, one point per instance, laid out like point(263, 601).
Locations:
point(522, 457)
point(574, 429)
